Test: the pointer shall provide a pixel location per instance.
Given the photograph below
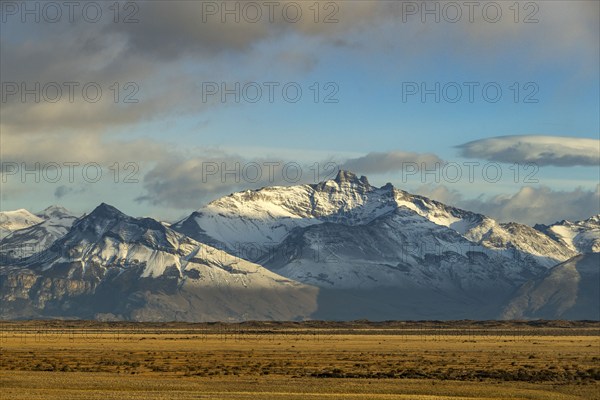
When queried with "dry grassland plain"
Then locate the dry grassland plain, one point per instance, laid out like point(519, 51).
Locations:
point(310, 360)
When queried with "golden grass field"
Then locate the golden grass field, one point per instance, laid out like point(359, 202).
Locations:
point(460, 360)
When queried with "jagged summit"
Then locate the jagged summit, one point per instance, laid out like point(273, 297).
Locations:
point(106, 210)
point(344, 176)
point(108, 220)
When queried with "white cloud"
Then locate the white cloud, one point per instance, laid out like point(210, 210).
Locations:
point(541, 150)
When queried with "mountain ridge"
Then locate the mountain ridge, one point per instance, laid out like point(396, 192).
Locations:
point(268, 215)
point(338, 249)
point(111, 264)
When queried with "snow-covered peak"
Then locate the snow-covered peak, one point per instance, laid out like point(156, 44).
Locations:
point(110, 259)
point(593, 220)
point(581, 236)
point(331, 199)
point(347, 177)
point(486, 231)
point(111, 240)
point(109, 237)
point(19, 219)
point(264, 218)
point(22, 243)
point(461, 221)
point(108, 220)
point(56, 212)
point(268, 215)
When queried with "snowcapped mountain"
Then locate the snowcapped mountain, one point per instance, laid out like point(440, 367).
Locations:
point(581, 236)
point(339, 249)
point(261, 218)
point(110, 265)
point(54, 222)
point(14, 220)
point(253, 223)
point(507, 237)
point(400, 249)
point(379, 251)
point(58, 215)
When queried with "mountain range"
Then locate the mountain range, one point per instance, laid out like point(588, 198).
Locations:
point(340, 249)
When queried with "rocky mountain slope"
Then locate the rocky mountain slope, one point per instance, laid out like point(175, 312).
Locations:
point(570, 290)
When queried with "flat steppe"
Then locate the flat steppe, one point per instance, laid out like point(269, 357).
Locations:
point(304, 360)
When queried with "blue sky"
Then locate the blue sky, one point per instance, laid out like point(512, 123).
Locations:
point(370, 55)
